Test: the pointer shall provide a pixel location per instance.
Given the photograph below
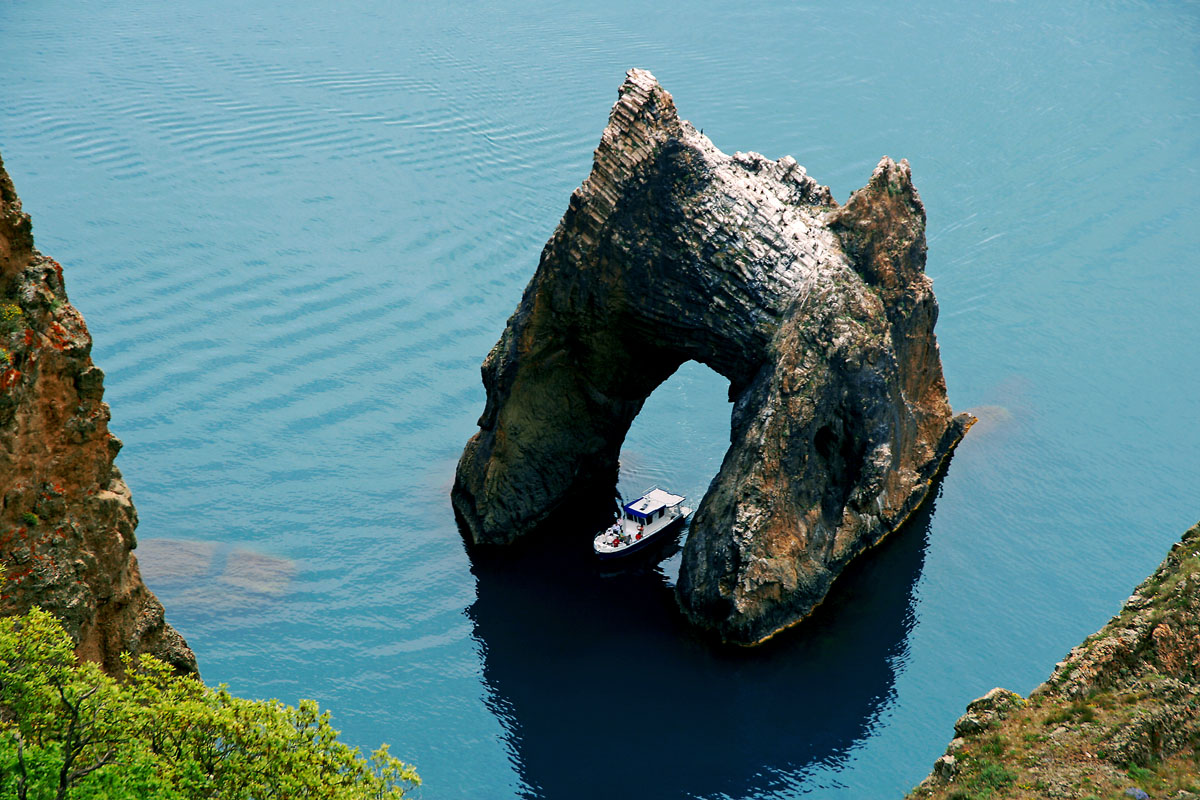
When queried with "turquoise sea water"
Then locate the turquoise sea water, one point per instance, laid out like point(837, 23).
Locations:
point(295, 230)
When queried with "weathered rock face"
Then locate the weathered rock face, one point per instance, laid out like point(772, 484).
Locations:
point(1128, 696)
point(820, 316)
point(66, 520)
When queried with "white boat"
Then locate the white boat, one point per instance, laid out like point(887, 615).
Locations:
point(641, 522)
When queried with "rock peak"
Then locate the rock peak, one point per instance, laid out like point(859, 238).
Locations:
point(642, 80)
point(672, 251)
point(641, 120)
point(882, 227)
point(16, 230)
point(644, 113)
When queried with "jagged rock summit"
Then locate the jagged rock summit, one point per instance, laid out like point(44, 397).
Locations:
point(820, 316)
point(66, 518)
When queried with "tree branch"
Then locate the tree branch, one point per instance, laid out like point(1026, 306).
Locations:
point(22, 790)
point(100, 762)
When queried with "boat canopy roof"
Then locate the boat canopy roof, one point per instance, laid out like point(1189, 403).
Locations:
point(652, 501)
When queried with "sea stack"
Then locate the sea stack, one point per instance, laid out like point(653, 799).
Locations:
point(820, 315)
point(1120, 708)
point(66, 518)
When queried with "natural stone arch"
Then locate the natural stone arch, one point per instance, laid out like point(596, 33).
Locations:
point(820, 316)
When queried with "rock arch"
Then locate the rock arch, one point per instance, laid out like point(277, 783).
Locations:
point(820, 316)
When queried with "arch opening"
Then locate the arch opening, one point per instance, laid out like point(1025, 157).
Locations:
point(677, 440)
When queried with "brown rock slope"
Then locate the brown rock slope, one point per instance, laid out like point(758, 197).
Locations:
point(821, 318)
point(66, 520)
point(1121, 714)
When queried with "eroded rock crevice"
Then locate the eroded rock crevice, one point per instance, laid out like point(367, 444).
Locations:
point(820, 316)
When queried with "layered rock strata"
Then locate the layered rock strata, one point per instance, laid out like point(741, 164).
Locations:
point(1120, 714)
point(66, 518)
point(820, 316)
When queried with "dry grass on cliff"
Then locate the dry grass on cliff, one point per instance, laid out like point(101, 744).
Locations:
point(1120, 714)
point(1046, 749)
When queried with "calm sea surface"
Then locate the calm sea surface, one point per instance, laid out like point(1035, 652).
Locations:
point(296, 228)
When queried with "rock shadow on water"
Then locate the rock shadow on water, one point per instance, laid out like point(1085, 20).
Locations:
point(604, 692)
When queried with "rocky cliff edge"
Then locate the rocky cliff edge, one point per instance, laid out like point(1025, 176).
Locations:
point(1119, 718)
point(66, 518)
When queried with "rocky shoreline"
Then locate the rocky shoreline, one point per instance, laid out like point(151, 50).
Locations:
point(1118, 718)
point(66, 516)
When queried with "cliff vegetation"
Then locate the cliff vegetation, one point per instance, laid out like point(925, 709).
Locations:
point(1119, 718)
point(70, 731)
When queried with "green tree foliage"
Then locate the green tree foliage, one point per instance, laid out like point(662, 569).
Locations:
point(70, 732)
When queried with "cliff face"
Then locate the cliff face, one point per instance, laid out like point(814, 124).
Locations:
point(66, 519)
point(821, 318)
point(1119, 716)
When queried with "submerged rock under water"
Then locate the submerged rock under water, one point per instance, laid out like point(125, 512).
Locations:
point(225, 577)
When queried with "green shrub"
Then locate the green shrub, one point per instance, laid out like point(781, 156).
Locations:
point(68, 730)
point(985, 778)
point(31, 518)
point(1139, 773)
point(995, 776)
point(993, 746)
point(1075, 712)
point(12, 318)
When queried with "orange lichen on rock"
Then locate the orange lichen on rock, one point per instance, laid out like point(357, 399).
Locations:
point(66, 519)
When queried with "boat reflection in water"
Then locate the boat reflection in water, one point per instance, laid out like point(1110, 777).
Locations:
point(603, 692)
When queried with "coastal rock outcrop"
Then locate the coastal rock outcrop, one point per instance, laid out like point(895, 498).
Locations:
point(66, 518)
point(820, 316)
point(1120, 715)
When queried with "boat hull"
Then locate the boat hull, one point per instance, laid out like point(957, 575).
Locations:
point(644, 543)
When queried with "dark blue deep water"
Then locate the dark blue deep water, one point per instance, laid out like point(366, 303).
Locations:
point(296, 228)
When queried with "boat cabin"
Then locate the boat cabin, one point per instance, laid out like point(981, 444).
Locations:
point(651, 506)
point(639, 522)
